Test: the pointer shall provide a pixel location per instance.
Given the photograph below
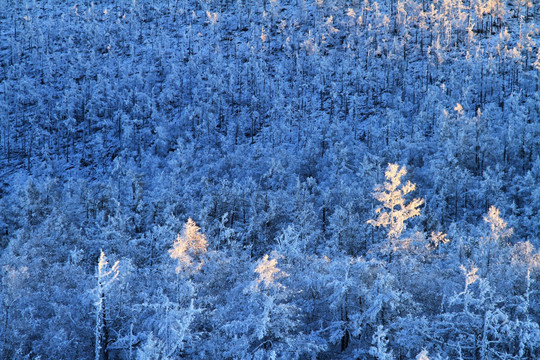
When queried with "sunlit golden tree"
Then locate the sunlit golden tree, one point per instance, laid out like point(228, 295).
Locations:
point(394, 211)
point(189, 248)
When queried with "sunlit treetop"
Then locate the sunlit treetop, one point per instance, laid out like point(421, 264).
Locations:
point(269, 272)
point(188, 248)
point(393, 211)
point(104, 272)
point(499, 230)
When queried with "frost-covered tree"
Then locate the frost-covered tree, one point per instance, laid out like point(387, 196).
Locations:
point(394, 211)
point(423, 355)
point(379, 349)
point(268, 272)
point(189, 248)
point(12, 281)
point(498, 233)
point(105, 276)
point(268, 121)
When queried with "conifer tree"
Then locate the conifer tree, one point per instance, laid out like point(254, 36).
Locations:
point(394, 211)
point(188, 248)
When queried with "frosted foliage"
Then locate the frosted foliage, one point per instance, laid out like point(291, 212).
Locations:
point(379, 345)
point(525, 254)
point(268, 271)
point(393, 212)
point(107, 275)
point(151, 349)
point(188, 248)
point(282, 127)
point(470, 276)
point(499, 230)
point(14, 278)
point(437, 238)
point(423, 355)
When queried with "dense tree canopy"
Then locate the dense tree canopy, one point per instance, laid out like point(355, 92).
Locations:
point(242, 165)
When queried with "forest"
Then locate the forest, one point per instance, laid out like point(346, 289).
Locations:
point(270, 179)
